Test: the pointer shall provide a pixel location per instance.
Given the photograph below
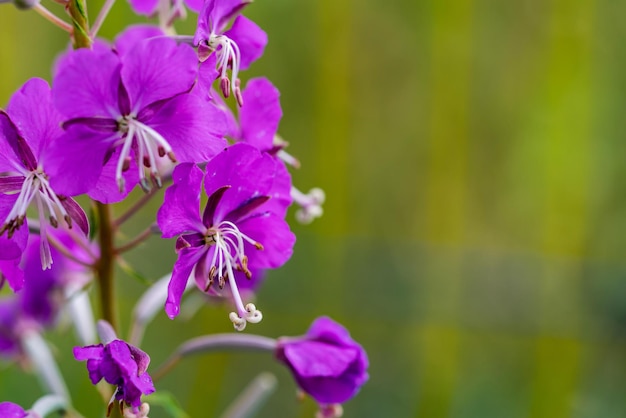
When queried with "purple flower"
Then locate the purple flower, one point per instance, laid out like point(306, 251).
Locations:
point(240, 231)
point(119, 364)
point(236, 48)
point(28, 129)
point(11, 410)
point(258, 126)
point(326, 362)
point(131, 108)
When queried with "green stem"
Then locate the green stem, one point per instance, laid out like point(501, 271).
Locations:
point(104, 267)
point(77, 10)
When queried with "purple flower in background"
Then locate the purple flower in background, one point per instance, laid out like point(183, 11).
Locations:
point(131, 108)
point(236, 48)
point(28, 129)
point(11, 410)
point(241, 229)
point(326, 362)
point(119, 364)
point(258, 126)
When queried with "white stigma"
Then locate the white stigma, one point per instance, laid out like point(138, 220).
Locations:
point(149, 145)
point(37, 187)
point(227, 55)
point(229, 256)
point(310, 204)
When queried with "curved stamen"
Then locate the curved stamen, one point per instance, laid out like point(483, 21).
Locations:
point(310, 204)
point(37, 187)
point(229, 256)
point(228, 54)
point(150, 144)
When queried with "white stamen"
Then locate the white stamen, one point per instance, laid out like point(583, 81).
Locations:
point(149, 142)
point(310, 204)
point(229, 254)
point(227, 53)
point(36, 186)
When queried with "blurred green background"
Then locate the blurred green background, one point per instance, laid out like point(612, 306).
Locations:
point(474, 233)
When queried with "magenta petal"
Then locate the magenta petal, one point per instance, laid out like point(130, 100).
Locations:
point(158, 69)
point(9, 148)
point(87, 83)
point(77, 214)
point(88, 352)
point(243, 167)
point(260, 115)
point(144, 7)
point(250, 39)
point(313, 358)
point(33, 113)
point(11, 270)
point(106, 189)
point(11, 410)
point(192, 126)
point(281, 192)
point(127, 40)
point(74, 161)
point(187, 259)
point(180, 211)
point(274, 234)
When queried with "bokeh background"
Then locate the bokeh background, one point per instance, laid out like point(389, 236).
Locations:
point(474, 235)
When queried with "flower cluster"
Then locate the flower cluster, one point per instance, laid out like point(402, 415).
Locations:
point(152, 110)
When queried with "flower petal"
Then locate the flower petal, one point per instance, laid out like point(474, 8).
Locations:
point(318, 359)
point(144, 7)
point(250, 39)
point(193, 127)
point(260, 115)
point(87, 84)
point(187, 259)
point(274, 234)
point(245, 169)
point(157, 69)
point(106, 189)
point(33, 113)
point(131, 36)
point(75, 160)
point(180, 211)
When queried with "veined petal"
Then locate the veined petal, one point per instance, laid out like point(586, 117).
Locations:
point(180, 211)
point(313, 358)
point(87, 84)
point(245, 169)
point(11, 152)
point(75, 160)
point(33, 113)
point(144, 7)
point(274, 235)
point(10, 184)
point(131, 36)
point(250, 39)
point(158, 69)
point(77, 214)
point(261, 114)
point(193, 127)
point(106, 189)
point(187, 259)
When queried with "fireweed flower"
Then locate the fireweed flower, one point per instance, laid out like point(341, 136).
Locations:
point(131, 107)
point(38, 303)
point(239, 231)
point(236, 48)
point(258, 126)
point(29, 130)
point(11, 410)
point(119, 364)
point(326, 362)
